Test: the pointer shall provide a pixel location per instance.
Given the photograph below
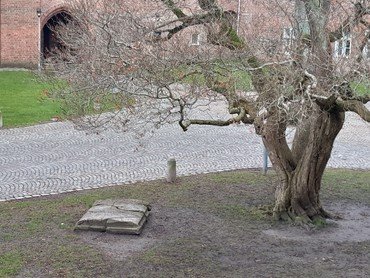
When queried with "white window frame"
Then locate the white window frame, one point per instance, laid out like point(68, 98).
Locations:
point(288, 38)
point(343, 46)
point(366, 50)
point(195, 39)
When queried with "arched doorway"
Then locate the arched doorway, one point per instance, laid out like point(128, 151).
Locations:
point(49, 39)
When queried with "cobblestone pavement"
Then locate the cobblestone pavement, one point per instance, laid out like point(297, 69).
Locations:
point(55, 158)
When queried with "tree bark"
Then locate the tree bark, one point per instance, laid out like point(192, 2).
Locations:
point(301, 168)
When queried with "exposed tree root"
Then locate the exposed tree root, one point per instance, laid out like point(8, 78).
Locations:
point(302, 219)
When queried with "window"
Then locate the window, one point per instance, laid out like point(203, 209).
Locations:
point(288, 34)
point(342, 47)
point(366, 50)
point(195, 39)
point(288, 39)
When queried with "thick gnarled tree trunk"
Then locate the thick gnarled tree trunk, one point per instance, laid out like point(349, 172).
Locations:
point(303, 85)
point(301, 167)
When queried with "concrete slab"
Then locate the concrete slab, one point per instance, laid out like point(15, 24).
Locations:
point(123, 216)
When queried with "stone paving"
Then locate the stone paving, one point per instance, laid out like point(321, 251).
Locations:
point(55, 158)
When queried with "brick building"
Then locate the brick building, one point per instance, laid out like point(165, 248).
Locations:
point(24, 33)
point(22, 27)
point(25, 36)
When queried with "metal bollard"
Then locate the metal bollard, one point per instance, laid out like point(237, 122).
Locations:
point(171, 170)
point(265, 160)
point(1, 120)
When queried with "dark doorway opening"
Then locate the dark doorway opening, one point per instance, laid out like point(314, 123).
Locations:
point(50, 41)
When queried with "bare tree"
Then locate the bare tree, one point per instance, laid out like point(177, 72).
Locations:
point(133, 60)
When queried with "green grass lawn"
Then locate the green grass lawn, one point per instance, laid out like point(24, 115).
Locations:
point(24, 100)
point(361, 87)
point(201, 226)
point(222, 72)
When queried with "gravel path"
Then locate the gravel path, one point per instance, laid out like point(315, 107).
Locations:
point(55, 158)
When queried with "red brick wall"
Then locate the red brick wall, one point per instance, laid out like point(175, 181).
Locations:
point(19, 24)
point(19, 28)
point(19, 31)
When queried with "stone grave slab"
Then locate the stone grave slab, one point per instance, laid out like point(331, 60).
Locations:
point(122, 216)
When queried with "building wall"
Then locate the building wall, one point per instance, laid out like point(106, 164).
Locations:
point(20, 25)
point(19, 30)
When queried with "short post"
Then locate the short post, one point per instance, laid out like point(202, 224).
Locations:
point(171, 170)
point(265, 160)
point(1, 120)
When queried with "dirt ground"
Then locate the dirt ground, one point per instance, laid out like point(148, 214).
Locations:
point(188, 243)
point(214, 225)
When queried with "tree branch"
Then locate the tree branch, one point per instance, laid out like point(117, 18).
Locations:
point(226, 36)
point(363, 44)
point(354, 106)
point(172, 6)
point(188, 21)
point(363, 99)
point(360, 12)
point(208, 5)
point(186, 123)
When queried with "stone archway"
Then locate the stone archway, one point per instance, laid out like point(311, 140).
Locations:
point(49, 40)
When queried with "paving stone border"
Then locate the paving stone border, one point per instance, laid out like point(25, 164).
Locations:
point(55, 158)
point(14, 69)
